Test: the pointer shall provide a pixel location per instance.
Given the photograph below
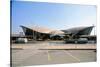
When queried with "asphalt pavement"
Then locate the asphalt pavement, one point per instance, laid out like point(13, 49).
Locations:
point(32, 55)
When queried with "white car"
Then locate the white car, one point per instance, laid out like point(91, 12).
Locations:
point(21, 40)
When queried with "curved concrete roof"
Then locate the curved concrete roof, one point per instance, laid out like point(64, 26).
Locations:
point(56, 32)
point(45, 30)
point(41, 29)
point(76, 29)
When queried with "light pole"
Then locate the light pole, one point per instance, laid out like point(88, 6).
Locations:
point(94, 28)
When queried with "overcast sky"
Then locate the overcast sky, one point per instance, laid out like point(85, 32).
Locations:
point(52, 15)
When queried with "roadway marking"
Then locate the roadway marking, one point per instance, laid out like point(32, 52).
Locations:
point(49, 57)
point(72, 56)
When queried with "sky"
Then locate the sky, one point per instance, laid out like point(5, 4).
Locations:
point(57, 16)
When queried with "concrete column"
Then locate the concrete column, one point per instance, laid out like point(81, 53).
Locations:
point(33, 35)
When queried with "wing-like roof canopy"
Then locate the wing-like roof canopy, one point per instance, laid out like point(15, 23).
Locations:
point(79, 30)
point(74, 31)
point(43, 30)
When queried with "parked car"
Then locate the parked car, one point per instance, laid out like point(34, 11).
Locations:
point(80, 41)
point(21, 40)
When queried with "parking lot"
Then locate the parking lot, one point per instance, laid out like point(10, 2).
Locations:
point(32, 55)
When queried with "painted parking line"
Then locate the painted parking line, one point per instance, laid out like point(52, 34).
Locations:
point(72, 56)
point(49, 57)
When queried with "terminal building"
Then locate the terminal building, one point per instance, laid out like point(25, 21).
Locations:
point(41, 33)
